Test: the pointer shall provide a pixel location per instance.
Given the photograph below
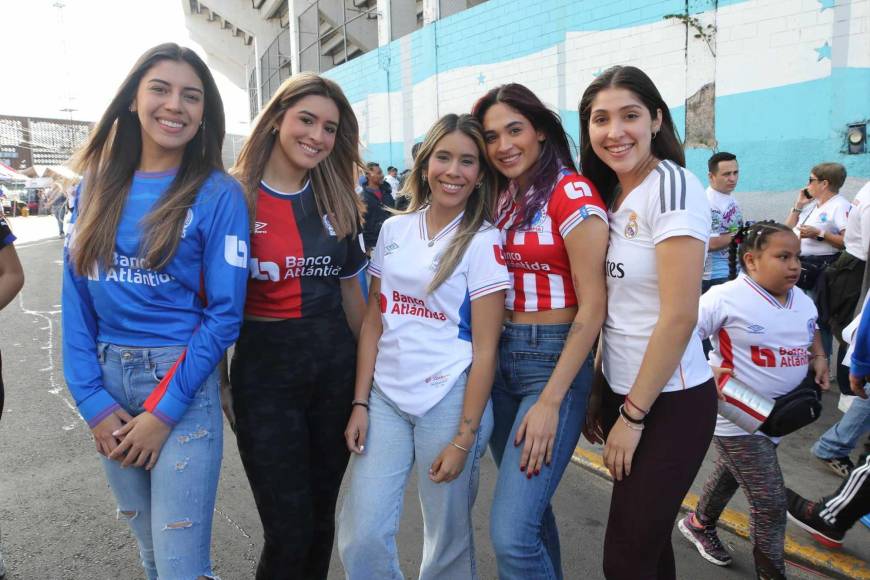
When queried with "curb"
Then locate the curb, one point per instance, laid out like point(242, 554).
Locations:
point(837, 564)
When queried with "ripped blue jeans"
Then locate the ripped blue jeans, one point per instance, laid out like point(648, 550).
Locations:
point(170, 508)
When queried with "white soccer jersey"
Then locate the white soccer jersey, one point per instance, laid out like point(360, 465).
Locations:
point(426, 341)
point(764, 341)
point(829, 217)
point(669, 202)
point(857, 234)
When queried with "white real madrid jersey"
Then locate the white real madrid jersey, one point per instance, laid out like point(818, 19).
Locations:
point(426, 341)
point(764, 341)
point(669, 202)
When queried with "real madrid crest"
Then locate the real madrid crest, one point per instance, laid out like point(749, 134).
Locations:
point(631, 227)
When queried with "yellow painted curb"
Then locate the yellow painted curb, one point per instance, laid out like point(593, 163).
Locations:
point(827, 561)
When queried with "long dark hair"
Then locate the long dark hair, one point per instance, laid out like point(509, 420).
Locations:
point(480, 202)
point(555, 149)
point(666, 145)
point(109, 158)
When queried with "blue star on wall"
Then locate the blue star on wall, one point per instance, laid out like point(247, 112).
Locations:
point(481, 79)
point(824, 51)
point(826, 4)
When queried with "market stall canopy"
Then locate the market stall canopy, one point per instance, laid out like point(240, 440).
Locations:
point(56, 171)
point(9, 174)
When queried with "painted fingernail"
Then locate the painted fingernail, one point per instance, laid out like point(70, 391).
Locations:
point(362, 448)
point(522, 467)
point(529, 475)
point(537, 472)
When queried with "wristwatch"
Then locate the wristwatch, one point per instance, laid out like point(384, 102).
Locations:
point(821, 237)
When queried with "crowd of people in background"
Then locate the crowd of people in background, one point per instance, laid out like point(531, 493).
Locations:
point(496, 295)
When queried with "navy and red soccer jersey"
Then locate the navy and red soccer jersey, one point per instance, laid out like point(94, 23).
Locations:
point(296, 259)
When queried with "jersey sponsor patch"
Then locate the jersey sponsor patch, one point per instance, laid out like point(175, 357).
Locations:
point(260, 227)
point(235, 252)
point(188, 219)
point(577, 189)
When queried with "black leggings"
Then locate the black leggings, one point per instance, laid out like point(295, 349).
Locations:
point(677, 433)
point(292, 384)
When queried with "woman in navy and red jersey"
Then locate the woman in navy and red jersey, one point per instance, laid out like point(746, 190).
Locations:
point(293, 369)
point(554, 232)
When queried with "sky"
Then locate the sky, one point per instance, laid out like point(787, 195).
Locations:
point(75, 57)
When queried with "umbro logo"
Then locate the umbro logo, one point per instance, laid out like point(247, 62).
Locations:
point(755, 329)
point(390, 248)
point(260, 227)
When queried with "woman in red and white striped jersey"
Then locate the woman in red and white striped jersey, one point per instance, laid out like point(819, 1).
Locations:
point(554, 232)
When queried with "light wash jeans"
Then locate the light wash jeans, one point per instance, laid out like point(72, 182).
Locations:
point(169, 508)
point(523, 527)
point(369, 519)
point(841, 438)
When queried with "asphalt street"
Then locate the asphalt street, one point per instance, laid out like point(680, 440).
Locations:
point(58, 517)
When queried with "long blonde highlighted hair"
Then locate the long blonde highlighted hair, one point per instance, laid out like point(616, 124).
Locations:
point(333, 178)
point(478, 207)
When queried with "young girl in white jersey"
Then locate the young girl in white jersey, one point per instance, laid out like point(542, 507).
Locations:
point(428, 342)
point(761, 327)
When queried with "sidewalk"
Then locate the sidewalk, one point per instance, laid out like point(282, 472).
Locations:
point(33, 228)
point(802, 472)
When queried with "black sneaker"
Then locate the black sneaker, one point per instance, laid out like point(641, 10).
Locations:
point(842, 466)
point(705, 540)
point(806, 515)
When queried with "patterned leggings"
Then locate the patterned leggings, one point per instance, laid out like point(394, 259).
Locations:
point(749, 461)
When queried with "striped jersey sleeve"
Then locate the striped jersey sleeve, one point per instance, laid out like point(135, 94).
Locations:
point(678, 206)
point(487, 272)
point(573, 200)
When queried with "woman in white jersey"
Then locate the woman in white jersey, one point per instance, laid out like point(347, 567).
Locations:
point(437, 273)
point(659, 411)
point(761, 328)
point(819, 218)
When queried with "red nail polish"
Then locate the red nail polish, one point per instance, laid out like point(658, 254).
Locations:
point(522, 467)
point(529, 475)
point(537, 472)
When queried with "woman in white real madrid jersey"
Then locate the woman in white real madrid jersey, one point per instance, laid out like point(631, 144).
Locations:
point(437, 273)
point(659, 411)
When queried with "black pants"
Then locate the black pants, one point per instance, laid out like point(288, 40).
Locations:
point(644, 505)
point(292, 385)
point(851, 501)
point(2, 390)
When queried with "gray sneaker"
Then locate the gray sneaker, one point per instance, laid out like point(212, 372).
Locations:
point(705, 540)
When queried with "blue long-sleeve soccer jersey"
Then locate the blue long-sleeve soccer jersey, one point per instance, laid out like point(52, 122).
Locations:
point(860, 366)
point(197, 300)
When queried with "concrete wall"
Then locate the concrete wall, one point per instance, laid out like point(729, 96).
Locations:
point(781, 78)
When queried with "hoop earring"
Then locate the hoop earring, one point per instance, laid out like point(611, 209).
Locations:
point(654, 135)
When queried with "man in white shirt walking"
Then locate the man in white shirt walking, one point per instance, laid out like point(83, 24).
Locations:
point(727, 216)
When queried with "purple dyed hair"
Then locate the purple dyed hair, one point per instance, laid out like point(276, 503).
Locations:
point(555, 149)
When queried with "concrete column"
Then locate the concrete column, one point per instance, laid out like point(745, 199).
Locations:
point(385, 22)
point(294, 36)
point(431, 11)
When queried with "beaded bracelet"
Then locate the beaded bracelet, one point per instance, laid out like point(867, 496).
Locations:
point(630, 425)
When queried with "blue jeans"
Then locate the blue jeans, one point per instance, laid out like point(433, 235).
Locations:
point(523, 527)
point(169, 509)
point(369, 518)
point(841, 438)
